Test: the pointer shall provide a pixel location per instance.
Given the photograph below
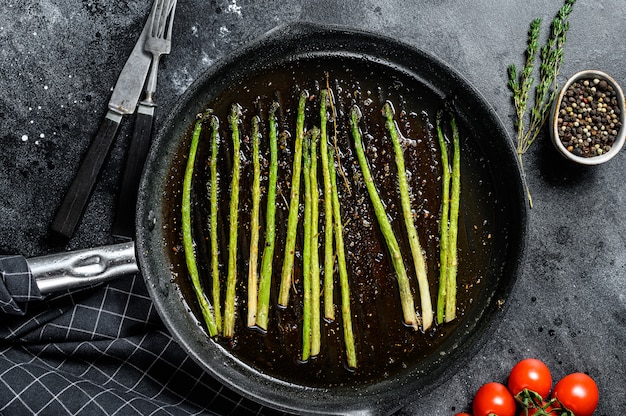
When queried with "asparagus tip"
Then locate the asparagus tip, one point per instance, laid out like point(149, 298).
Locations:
point(274, 108)
point(355, 114)
point(235, 112)
point(203, 116)
point(388, 109)
point(315, 133)
point(215, 122)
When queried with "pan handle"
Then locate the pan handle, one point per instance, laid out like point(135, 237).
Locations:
point(75, 269)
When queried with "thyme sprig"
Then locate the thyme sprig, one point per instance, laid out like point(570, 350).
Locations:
point(551, 60)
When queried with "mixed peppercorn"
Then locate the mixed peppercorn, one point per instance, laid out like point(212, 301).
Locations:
point(589, 117)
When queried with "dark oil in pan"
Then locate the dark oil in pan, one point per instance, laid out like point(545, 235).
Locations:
point(385, 347)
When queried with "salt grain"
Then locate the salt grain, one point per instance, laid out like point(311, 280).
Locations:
point(234, 8)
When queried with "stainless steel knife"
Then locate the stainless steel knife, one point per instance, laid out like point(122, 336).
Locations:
point(123, 101)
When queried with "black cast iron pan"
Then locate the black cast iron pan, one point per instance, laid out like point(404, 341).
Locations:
point(278, 50)
point(486, 148)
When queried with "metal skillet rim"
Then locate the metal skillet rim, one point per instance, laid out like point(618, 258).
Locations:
point(384, 398)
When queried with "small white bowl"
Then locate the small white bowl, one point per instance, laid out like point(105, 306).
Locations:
point(554, 117)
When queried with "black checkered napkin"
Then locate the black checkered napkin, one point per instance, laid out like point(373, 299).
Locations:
point(17, 286)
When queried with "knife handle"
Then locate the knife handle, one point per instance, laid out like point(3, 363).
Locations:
point(73, 205)
point(124, 222)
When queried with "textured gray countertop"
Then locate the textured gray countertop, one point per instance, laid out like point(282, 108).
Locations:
point(59, 60)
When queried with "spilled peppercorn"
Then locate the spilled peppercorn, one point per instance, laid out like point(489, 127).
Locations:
point(589, 117)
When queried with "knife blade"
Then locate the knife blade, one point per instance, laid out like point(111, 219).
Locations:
point(123, 101)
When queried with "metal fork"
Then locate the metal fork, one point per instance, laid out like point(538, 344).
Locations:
point(158, 42)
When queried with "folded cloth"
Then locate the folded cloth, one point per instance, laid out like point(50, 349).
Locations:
point(102, 351)
point(17, 286)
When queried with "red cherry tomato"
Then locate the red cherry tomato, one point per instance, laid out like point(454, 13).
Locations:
point(462, 414)
point(494, 399)
point(531, 374)
point(577, 393)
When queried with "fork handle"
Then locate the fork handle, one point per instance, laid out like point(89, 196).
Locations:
point(124, 222)
point(73, 205)
point(151, 84)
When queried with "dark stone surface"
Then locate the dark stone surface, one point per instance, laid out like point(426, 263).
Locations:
point(59, 60)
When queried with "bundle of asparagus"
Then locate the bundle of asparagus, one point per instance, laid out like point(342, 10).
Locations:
point(310, 147)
